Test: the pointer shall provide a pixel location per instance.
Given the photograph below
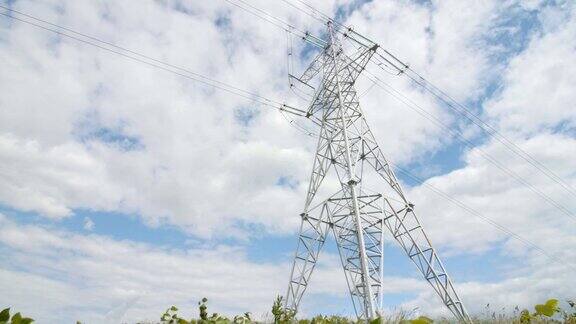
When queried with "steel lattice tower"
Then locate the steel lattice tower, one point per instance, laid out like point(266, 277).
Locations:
point(357, 217)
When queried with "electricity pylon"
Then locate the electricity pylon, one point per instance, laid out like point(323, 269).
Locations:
point(356, 216)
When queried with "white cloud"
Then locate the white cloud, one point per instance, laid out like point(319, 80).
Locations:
point(538, 82)
point(58, 276)
point(197, 167)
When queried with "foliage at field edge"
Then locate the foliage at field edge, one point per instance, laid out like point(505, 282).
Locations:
point(549, 312)
point(15, 319)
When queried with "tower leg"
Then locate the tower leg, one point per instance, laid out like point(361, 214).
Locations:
point(311, 238)
point(408, 232)
point(406, 229)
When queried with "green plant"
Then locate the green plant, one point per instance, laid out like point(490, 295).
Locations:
point(547, 309)
point(16, 318)
point(216, 318)
point(203, 308)
point(282, 315)
point(242, 319)
point(546, 312)
point(525, 316)
point(170, 316)
point(549, 312)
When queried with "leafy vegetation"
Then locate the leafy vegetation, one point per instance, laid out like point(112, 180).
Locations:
point(15, 319)
point(549, 312)
point(170, 316)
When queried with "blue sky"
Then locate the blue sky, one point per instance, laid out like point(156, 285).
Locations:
point(114, 173)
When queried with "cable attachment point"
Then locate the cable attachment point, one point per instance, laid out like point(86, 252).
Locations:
point(404, 68)
point(409, 207)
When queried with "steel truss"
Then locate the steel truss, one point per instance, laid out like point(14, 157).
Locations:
point(357, 219)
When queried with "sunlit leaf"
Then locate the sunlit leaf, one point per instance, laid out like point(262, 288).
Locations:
point(548, 309)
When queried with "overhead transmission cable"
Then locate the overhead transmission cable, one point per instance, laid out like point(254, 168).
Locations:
point(263, 14)
point(476, 213)
point(552, 257)
point(290, 30)
point(462, 110)
point(242, 93)
point(438, 123)
point(462, 139)
point(133, 55)
point(513, 147)
point(449, 197)
point(278, 22)
point(453, 104)
point(303, 11)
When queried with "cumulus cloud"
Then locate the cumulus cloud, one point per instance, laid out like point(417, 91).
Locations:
point(84, 129)
point(55, 275)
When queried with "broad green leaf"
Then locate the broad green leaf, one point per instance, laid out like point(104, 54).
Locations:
point(26, 320)
point(553, 303)
point(548, 309)
point(5, 315)
point(17, 318)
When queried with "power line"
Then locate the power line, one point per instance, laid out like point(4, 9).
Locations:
point(470, 210)
point(237, 91)
point(302, 10)
point(282, 108)
point(263, 14)
point(517, 150)
point(462, 139)
point(459, 136)
point(463, 111)
point(278, 22)
point(476, 120)
point(553, 257)
point(133, 55)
